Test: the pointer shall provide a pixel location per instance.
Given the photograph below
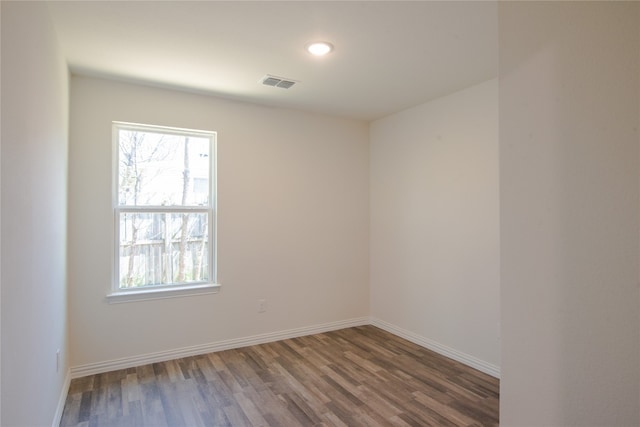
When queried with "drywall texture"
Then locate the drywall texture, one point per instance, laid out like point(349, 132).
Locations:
point(293, 212)
point(569, 76)
point(34, 209)
point(434, 221)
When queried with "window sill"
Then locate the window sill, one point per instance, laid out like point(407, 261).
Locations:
point(162, 293)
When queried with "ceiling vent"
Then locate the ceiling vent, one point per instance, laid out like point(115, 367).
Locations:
point(274, 81)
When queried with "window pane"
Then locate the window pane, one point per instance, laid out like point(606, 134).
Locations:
point(163, 248)
point(156, 169)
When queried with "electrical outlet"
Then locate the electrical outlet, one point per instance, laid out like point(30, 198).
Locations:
point(58, 360)
point(262, 305)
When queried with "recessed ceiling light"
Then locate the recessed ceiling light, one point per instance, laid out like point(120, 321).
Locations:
point(319, 48)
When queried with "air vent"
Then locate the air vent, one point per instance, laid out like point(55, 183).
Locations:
point(280, 82)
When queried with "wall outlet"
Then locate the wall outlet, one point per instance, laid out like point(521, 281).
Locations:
point(262, 305)
point(58, 360)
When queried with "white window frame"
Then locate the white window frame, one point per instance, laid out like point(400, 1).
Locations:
point(162, 291)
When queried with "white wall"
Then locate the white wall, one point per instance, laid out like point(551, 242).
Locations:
point(569, 76)
point(434, 223)
point(34, 200)
point(292, 226)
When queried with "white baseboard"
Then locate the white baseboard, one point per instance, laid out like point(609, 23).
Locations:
point(162, 356)
point(62, 399)
point(449, 352)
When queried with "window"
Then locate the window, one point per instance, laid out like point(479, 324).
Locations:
point(164, 212)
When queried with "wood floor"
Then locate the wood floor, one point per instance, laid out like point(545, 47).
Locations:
point(359, 376)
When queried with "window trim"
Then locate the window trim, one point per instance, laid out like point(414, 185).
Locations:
point(172, 290)
point(162, 292)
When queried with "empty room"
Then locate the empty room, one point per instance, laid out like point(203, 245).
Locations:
point(320, 213)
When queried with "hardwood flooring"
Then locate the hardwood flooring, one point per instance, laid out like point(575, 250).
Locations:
point(360, 376)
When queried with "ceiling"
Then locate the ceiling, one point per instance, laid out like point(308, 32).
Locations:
point(389, 55)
